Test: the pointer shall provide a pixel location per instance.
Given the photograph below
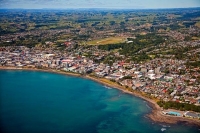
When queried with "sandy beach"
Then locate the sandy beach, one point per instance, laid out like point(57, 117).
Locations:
point(156, 113)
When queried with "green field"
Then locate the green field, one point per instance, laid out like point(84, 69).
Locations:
point(197, 24)
point(110, 40)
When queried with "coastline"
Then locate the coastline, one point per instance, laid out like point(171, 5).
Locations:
point(156, 113)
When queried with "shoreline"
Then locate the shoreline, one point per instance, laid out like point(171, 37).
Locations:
point(156, 113)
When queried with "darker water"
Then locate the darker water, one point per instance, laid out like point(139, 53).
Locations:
point(41, 102)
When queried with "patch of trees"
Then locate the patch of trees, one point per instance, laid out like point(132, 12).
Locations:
point(136, 45)
point(179, 106)
point(112, 22)
point(62, 27)
point(2, 32)
point(40, 25)
point(85, 20)
point(132, 49)
point(96, 23)
point(127, 77)
point(190, 15)
point(140, 57)
point(194, 64)
point(175, 27)
point(81, 37)
point(188, 24)
point(109, 47)
point(188, 38)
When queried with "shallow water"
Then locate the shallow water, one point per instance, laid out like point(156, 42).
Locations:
point(33, 102)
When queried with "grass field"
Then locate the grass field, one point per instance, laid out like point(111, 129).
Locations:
point(195, 38)
point(110, 40)
point(198, 24)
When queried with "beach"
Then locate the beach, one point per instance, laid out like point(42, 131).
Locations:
point(156, 114)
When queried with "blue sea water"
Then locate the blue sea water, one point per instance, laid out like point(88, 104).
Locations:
point(42, 102)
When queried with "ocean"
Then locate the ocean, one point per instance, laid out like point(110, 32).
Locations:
point(42, 102)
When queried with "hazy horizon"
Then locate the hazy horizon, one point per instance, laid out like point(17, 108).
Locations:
point(88, 4)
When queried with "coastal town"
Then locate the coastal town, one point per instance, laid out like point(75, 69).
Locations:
point(153, 54)
point(149, 78)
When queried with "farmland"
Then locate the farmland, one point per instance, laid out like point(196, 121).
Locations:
point(92, 27)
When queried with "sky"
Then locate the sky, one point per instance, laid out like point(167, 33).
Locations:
point(121, 4)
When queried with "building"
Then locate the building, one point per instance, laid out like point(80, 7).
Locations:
point(192, 115)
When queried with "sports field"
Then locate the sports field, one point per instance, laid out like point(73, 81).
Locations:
point(197, 24)
point(110, 40)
